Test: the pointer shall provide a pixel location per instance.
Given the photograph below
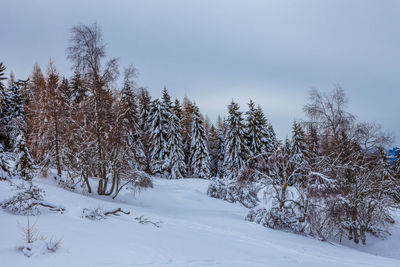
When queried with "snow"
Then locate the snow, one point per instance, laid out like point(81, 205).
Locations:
point(194, 230)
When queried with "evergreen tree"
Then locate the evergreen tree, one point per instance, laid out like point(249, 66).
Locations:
point(236, 151)
point(298, 145)
point(14, 118)
point(259, 139)
point(187, 121)
point(158, 138)
point(24, 165)
point(131, 120)
point(221, 147)
point(2, 76)
point(144, 100)
point(272, 141)
point(213, 148)
point(175, 165)
point(3, 107)
point(166, 100)
point(199, 156)
point(298, 151)
point(177, 109)
point(78, 88)
point(4, 167)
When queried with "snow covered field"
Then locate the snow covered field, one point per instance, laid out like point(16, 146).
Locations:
point(194, 230)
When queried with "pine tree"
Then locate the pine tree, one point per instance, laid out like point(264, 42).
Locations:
point(3, 107)
point(259, 140)
point(221, 147)
point(177, 109)
point(24, 165)
point(131, 120)
point(187, 121)
point(2, 78)
point(15, 109)
point(213, 148)
point(272, 141)
point(4, 166)
point(166, 100)
point(298, 151)
point(199, 156)
point(78, 88)
point(158, 139)
point(144, 100)
point(236, 151)
point(175, 165)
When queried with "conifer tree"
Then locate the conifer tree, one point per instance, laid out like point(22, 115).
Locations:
point(24, 165)
point(4, 166)
point(159, 154)
point(213, 147)
point(236, 151)
point(272, 140)
point(131, 119)
point(199, 156)
point(175, 165)
point(79, 91)
point(221, 147)
point(259, 139)
point(298, 151)
point(2, 76)
point(166, 100)
point(177, 109)
point(144, 100)
point(3, 106)
point(15, 118)
point(187, 121)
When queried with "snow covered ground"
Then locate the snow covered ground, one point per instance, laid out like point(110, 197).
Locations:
point(195, 230)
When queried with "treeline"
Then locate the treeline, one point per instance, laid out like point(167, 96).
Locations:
point(330, 179)
point(88, 127)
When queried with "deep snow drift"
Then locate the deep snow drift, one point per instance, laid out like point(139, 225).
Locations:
point(194, 230)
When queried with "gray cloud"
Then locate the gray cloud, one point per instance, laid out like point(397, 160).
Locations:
point(213, 51)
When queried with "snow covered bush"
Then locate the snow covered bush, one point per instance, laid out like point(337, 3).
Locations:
point(26, 201)
point(230, 191)
point(96, 214)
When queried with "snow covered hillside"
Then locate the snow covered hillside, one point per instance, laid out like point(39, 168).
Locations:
point(194, 230)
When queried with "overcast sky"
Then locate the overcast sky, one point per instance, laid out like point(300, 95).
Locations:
point(214, 51)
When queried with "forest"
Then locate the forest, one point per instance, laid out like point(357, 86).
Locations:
point(102, 132)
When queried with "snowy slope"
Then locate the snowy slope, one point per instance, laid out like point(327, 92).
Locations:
point(196, 230)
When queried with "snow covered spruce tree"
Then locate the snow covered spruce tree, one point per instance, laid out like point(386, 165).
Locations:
point(199, 156)
point(144, 100)
point(159, 154)
point(236, 151)
point(131, 119)
point(297, 150)
point(175, 164)
point(4, 166)
point(213, 143)
point(255, 131)
point(221, 126)
point(235, 155)
point(187, 121)
point(14, 117)
point(24, 165)
point(3, 107)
